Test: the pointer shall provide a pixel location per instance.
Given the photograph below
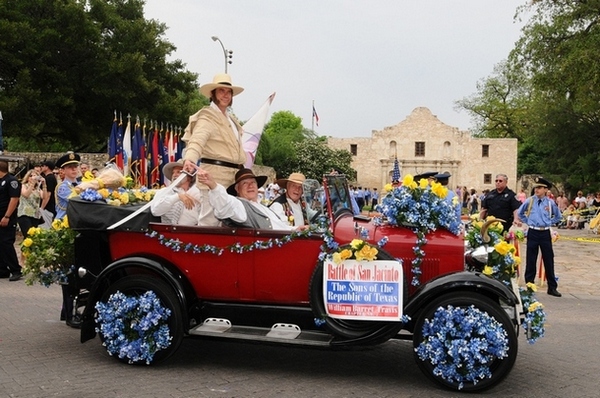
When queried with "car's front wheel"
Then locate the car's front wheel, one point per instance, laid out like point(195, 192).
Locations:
point(465, 341)
point(140, 320)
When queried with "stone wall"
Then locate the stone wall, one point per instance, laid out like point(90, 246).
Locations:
point(447, 149)
point(98, 160)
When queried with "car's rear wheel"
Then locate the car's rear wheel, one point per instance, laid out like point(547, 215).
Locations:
point(482, 310)
point(136, 286)
point(368, 332)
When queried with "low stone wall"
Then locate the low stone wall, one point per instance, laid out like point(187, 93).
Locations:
point(98, 160)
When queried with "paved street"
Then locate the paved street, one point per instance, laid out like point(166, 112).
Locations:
point(41, 357)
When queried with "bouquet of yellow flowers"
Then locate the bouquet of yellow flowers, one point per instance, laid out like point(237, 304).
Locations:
point(112, 187)
point(48, 253)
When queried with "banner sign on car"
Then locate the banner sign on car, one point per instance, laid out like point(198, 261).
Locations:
point(363, 290)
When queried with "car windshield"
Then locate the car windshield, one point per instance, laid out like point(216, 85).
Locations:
point(335, 188)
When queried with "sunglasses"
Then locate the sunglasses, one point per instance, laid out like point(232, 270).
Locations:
point(499, 180)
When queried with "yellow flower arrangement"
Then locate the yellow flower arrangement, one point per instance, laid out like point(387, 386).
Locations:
point(359, 249)
point(48, 253)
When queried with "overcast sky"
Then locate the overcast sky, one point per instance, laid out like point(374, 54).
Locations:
point(366, 64)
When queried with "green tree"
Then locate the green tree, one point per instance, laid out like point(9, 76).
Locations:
point(559, 52)
point(65, 66)
point(499, 107)
point(314, 159)
point(276, 147)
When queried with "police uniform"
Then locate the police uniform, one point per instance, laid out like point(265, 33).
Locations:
point(64, 190)
point(427, 175)
point(9, 263)
point(443, 178)
point(539, 213)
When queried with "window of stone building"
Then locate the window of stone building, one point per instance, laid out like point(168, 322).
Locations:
point(393, 152)
point(485, 151)
point(487, 178)
point(353, 149)
point(419, 148)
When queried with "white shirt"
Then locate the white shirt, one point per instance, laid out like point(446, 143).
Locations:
point(227, 206)
point(167, 197)
point(296, 212)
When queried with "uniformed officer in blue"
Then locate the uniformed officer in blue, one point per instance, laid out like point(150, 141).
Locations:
point(539, 213)
point(69, 163)
point(443, 179)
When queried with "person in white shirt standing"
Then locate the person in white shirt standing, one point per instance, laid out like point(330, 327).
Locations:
point(177, 205)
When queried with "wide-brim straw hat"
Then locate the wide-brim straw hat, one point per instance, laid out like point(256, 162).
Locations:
point(298, 178)
point(221, 80)
point(245, 174)
point(168, 168)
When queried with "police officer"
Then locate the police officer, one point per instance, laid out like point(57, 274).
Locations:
point(539, 213)
point(10, 191)
point(443, 179)
point(501, 203)
point(69, 164)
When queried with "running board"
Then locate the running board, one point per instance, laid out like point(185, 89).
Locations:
point(278, 333)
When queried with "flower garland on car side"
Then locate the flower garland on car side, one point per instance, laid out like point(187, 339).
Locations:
point(502, 265)
point(423, 208)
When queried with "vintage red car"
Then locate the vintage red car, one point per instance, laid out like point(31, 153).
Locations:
point(265, 285)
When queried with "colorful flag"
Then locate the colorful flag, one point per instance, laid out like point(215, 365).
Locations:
point(253, 130)
point(127, 148)
point(315, 116)
point(143, 159)
point(134, 165)
point(155, 156)
point(396, 171)
point(112, 141)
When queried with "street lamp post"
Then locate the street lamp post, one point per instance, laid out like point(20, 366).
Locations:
point(228, 54)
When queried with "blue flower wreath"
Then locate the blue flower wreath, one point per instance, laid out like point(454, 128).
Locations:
point(134, 327)
point(461, 343)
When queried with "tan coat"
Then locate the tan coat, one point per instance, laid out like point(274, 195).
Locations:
point(209, 135)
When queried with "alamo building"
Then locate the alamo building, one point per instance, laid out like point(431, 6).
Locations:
point(422, 143)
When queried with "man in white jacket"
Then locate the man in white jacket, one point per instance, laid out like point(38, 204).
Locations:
point(177, 204)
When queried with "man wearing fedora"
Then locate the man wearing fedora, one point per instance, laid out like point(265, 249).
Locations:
point(69, 164)
point(291, 206)
point(177, 204)
point(239, 204)
point(213, 140)
point(539, 213)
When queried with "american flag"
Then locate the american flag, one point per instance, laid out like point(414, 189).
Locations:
point(315, 116)
point(396, 172)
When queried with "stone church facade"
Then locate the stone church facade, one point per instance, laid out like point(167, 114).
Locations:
point(422, 143)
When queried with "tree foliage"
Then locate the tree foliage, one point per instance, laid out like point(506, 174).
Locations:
point(555, 110)
point(314, 159)
point(65, 66)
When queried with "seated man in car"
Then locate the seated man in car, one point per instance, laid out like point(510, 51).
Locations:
point(291, 206)
point(239, 205)
point(177, 205)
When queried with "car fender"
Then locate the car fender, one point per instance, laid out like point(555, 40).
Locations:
point(117, 270)
point(459, 281)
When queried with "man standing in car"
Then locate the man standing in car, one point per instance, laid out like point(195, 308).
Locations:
point(501, 203)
